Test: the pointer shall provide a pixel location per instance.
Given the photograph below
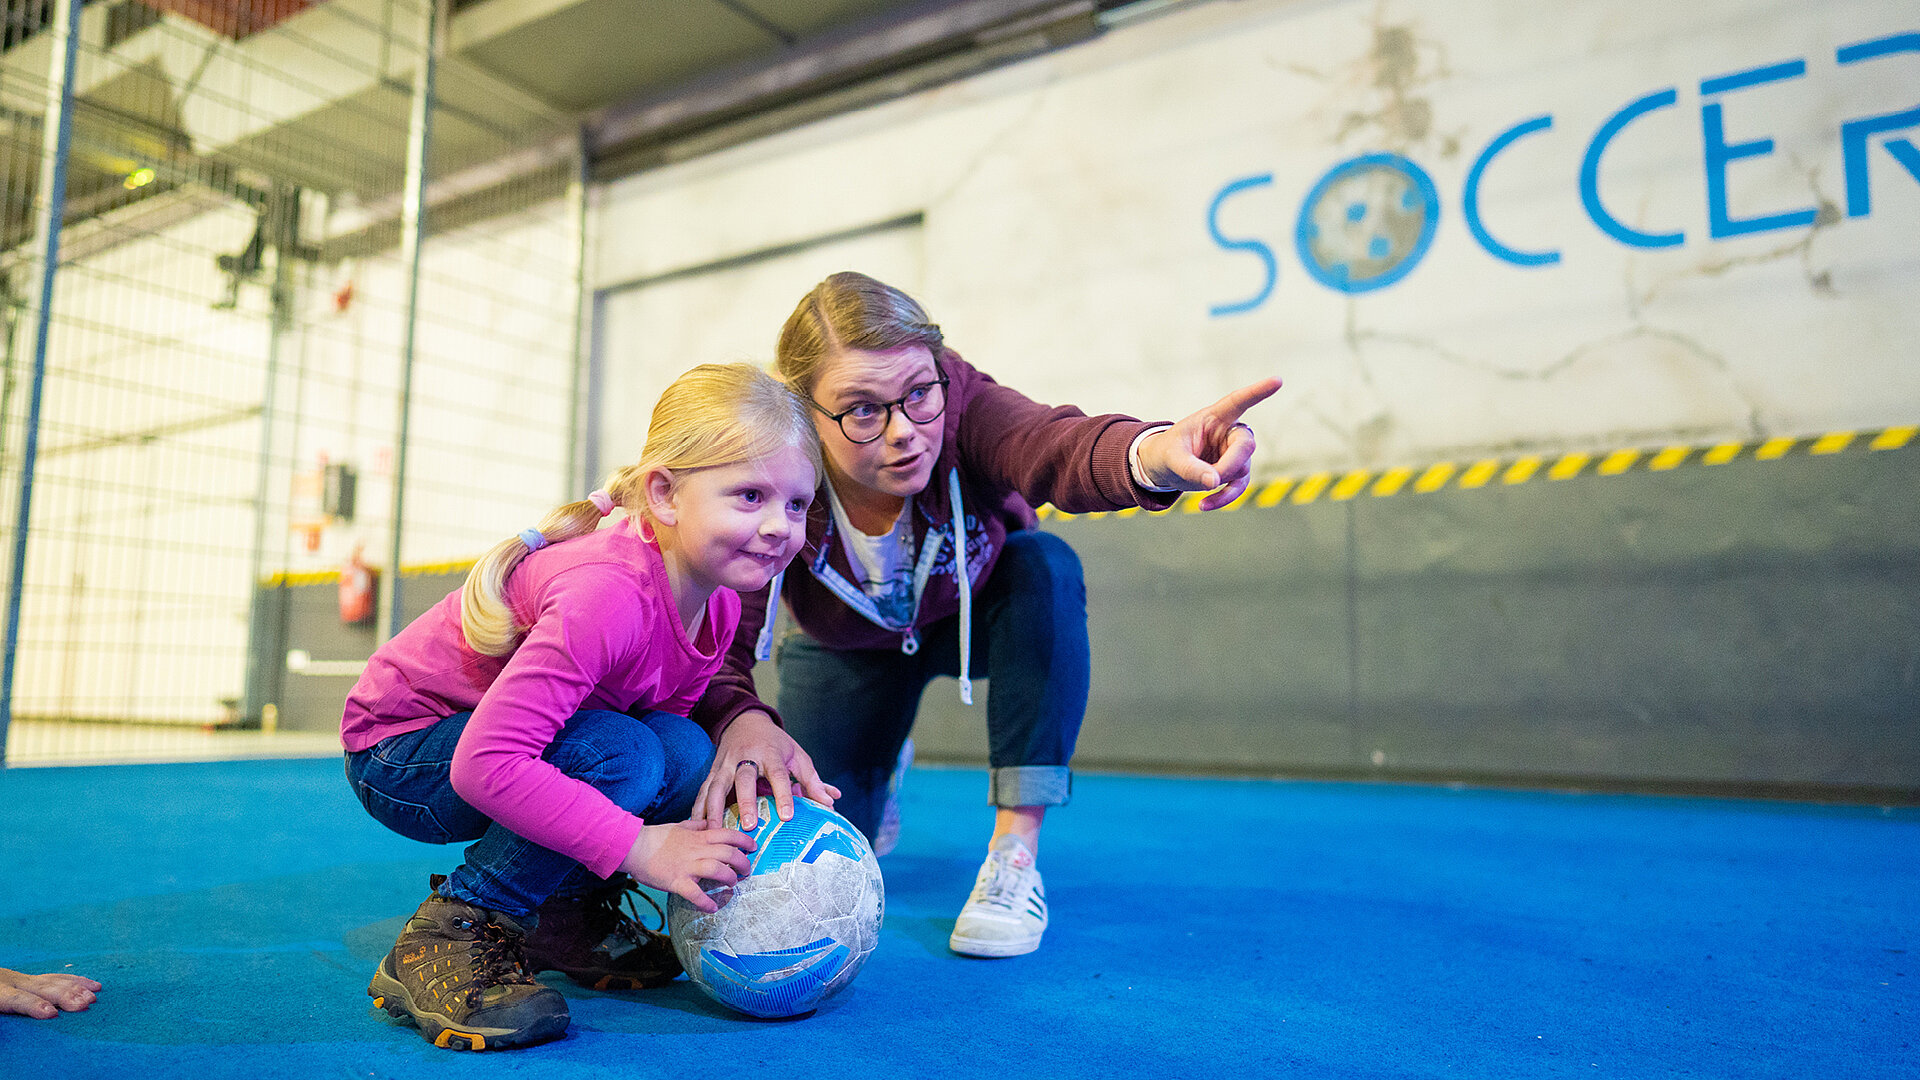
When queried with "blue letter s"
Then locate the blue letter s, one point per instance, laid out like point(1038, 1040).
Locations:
point(1264, 252)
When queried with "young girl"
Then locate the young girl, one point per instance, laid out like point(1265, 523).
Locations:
point(540, 712)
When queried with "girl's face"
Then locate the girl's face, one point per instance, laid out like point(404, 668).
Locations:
point(735, 525)
point(900, 462)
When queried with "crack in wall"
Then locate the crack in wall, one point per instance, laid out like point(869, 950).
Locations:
point(995, 144)
point(1751, 423)
point(1393, 69)
point(1819, 281)
point(1390, 72)
point(1398, 62)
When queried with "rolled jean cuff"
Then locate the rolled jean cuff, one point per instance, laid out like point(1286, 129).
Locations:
point(1030, 785)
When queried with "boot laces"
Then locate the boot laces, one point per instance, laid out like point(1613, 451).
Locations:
point(999, 884)
point(614, 909)
point(498, 957)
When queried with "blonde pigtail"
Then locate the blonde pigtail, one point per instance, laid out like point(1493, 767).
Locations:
point(627, 487)
point(485, 619)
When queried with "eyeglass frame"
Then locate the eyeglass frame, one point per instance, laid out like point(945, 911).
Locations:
point(897, 403)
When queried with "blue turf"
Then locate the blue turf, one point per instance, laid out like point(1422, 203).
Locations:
point(235, 910)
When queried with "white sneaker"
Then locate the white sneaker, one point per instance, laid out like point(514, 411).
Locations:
point(889, 832)
point(1007, 912)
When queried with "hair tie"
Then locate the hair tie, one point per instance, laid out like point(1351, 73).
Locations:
point(533, 539)
point(601, 501)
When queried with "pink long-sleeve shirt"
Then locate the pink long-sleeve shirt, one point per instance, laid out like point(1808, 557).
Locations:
point(602, 633)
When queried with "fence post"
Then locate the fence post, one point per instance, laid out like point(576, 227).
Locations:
point(412, 232)
point(261, 683)
point(579, 475)
point(56, 136)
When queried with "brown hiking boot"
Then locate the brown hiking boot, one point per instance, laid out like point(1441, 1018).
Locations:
point(598, 944)
point(457, 971)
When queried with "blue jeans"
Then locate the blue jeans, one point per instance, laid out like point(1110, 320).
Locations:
point(851, 709)
point(651, 765)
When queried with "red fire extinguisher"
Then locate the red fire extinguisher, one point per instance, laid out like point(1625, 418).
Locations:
point(356, 590)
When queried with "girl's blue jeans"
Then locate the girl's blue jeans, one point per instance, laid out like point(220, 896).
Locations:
point(852, 709)
point(651, 765)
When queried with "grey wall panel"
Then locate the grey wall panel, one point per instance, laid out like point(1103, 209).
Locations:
point(312, 702)
point(1753, 625)
point(1756, 622)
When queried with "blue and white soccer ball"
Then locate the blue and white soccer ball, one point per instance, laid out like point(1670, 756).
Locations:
point(796, 930)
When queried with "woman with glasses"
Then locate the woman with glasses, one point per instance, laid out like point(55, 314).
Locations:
point(928, 457)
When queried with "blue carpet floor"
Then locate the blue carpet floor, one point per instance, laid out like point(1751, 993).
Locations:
point(234, 912)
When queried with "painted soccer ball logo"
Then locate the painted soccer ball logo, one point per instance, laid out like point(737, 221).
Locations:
point(1367, 223)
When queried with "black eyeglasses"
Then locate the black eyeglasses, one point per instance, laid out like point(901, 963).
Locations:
point(866, 421)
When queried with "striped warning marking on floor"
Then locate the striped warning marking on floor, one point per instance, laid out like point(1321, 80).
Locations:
point(1509, 472)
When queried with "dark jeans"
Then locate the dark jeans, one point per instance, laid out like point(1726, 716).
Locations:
point(852, 709)
point(651, 765)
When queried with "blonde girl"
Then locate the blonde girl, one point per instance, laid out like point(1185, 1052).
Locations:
point(540, 712)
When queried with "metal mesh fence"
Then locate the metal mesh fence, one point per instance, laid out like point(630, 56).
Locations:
point(240, 303)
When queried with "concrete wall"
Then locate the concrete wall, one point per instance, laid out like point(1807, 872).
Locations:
point(1188, 202)
point(1751, 626)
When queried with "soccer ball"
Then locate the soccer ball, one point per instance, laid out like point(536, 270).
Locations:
point(797, 929)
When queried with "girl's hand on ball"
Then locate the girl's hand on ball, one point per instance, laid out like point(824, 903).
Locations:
point(676, 858)
point(755, 751)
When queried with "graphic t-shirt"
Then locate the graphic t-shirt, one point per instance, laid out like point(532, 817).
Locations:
point(884, 563)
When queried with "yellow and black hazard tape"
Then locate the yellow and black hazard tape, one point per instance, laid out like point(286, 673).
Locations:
point(1510, 472)
point(283, 579)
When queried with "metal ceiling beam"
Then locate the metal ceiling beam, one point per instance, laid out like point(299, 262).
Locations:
point(891, 44)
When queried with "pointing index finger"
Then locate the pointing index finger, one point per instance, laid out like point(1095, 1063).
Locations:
point(1230, 407)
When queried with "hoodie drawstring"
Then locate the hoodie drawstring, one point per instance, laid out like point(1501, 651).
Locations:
point(966, 587)
point(763, 647)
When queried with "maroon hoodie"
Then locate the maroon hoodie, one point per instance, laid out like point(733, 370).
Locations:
point(1011, 453)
